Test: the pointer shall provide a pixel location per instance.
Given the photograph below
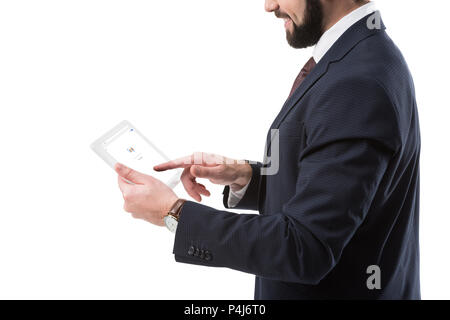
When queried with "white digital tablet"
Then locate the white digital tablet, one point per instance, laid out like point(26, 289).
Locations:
point(125, 144)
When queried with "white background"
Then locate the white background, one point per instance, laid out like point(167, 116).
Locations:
point(192, 76)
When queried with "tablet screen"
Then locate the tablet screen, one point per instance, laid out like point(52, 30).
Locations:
point(128, 147)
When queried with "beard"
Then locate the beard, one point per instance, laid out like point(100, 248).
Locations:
point(309, 33)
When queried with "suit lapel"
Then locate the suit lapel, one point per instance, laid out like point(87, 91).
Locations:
point(315, 74)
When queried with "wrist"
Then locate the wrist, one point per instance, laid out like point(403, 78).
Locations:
point(169, 205)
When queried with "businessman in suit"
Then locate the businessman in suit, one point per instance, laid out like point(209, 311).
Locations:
point(338, 190)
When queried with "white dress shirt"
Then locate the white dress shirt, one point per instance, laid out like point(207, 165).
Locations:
point(337, 30)
point(325, 43)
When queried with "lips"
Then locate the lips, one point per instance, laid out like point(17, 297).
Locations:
point(287, 21)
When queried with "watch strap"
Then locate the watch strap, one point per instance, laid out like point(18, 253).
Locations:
point(176, 208)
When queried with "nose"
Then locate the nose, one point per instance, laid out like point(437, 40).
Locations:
point(271, 6)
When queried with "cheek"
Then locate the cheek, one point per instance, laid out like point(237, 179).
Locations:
point(297, 11)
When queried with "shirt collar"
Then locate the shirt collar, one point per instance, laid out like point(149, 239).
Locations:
point(337, 30)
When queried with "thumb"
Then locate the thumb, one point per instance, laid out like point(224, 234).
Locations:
point(129, 174)
point(199, 171)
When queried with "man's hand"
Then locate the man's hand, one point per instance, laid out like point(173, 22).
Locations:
point(148, 198)
point(218, 169)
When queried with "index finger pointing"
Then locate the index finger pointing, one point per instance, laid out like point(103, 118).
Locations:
point(198, 158)
point(183, 162)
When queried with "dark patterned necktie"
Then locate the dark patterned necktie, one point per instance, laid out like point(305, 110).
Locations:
point(302, 75)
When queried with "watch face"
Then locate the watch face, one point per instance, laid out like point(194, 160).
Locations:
point(171, 223)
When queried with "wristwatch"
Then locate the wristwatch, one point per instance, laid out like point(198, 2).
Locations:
point(171, 220)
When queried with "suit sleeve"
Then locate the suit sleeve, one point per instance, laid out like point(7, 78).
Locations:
point(350, 142)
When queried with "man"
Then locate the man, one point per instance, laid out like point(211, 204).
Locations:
point(339, 207)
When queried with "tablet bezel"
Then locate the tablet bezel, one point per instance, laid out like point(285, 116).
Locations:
point(98, 147)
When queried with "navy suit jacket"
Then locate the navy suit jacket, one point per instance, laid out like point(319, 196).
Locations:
point(346, 195)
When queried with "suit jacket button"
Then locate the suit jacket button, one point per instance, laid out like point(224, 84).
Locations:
point(208, 255)
point(196, 252)
point(191, 250)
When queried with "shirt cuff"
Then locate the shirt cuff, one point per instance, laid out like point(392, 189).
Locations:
point(235, 196)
